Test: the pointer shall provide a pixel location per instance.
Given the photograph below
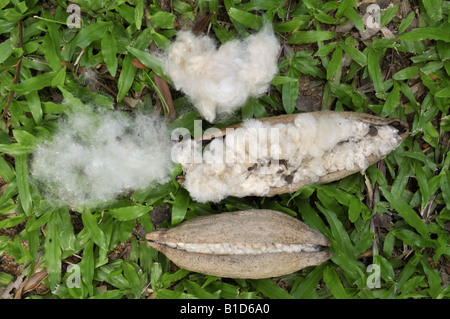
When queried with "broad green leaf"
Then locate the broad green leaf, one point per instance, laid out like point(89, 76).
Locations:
point(289, 94)
point(16, 149)
point(406, 212)
point(133, 279)
point(434, 279)
point(408, 270)
point(326, 49)
point(6, 49)
point(126, 77)
point(10, 191)
point(34, 103)
point(168, 278)
point(93, 32)
point(181, 7)
point(129, 212)
point(52, 252)
point(388, 246)
point(355, 18)
point(373, 67)
point(65, 228)
point(354, 209)
point(247, 19)
point(305, 63)
point(426, 33)
point(59, 77)
point(392, 101)
point(270, 289)
point(343, 251)
point(24, 138)
point(12, 221)
point(51, 46)
point(387, 15)
point(5, 279)
point(307, 286)
point(147, 59)
point(333, 283)
point(311, 218)
point(335, 63)
point(87, 266)
point(163, 20)
point(344, 6)
point(433, 9)
point(406, 73)
point(197, 291)
point(445, 187)
point(109, 51)
point(406, 22)
point(139, 13)
point(22, 183)
point(291, 25)
point(278, 79)
point(222, 34)
point(412, 238)
point(35, 83)
point(445, 92)
point(180, 206)
point(310, 36)
point(355, 54)
point(94, 231)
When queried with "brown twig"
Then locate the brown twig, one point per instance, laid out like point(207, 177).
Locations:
point(16, 74)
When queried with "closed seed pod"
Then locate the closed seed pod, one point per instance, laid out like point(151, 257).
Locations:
point(312, 148)
point(247, 244)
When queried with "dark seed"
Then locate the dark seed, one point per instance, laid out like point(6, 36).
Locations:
point(373, 131)
point(289, 178)
point(252, 168)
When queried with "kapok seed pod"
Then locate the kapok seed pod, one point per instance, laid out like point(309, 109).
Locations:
point(313, 148)
point(245, 244)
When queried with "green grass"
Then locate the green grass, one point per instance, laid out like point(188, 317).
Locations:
point(393, 221)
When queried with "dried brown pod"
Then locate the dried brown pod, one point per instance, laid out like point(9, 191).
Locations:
point(344, 154)
point(247, 244)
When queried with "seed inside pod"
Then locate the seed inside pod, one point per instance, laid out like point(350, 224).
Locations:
point(316, 147)
point(244, 244)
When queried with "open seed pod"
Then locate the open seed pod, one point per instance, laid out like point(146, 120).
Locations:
point(281, 154)
point(245, 244)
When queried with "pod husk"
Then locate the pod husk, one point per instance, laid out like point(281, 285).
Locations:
point(400, 125)
point(250, 227)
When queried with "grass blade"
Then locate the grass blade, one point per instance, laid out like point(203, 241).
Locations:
point(52, 253)
point(180, 206)
point(87, 266)
point(129, 213)
point(126, 77)
point(270, 289)
point(406, 212)
point(310, 36)
point(22, 183)
point(109, 51)
point(374, 70)
point(306, 288)
point(334, 284)
point(96, 234)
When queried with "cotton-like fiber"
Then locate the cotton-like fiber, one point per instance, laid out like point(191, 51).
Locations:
point(258, 156)
point(220, 80)
point(96, 156)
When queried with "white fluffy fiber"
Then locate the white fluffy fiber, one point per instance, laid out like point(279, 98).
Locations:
point(97, 155)
point(220, 80)
point(306, 150)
